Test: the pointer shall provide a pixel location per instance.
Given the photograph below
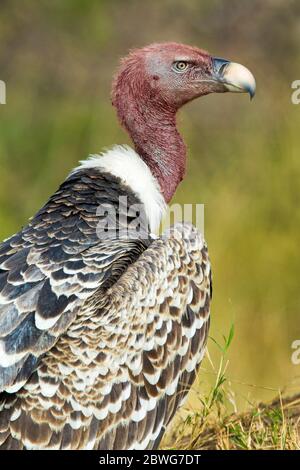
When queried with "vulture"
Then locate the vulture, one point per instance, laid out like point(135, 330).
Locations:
point(102, 325)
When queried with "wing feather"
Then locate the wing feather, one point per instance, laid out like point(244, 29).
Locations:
point(50, 268)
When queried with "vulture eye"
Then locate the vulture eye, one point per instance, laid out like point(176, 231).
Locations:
point(180, 66)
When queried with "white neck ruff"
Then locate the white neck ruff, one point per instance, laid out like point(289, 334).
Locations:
point(123, 162)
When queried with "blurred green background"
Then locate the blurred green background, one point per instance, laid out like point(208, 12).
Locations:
point(57, 59)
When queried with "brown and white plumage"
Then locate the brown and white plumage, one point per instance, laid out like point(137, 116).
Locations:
point(101, 338)
point(116, 377)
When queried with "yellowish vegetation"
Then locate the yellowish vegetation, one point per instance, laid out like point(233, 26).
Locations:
point(275, 425)
point(264, 426)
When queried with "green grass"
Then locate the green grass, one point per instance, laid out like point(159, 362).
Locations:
point(264, 426)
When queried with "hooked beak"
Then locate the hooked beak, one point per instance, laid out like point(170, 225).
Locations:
point(234, 77)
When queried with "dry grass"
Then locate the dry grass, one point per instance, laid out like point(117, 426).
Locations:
point(266, 426)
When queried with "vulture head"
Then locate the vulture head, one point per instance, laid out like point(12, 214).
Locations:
point(150, 86)
point(172, 74)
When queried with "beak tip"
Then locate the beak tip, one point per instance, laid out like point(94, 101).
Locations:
point(250, 87)
point(236, 77)
point(251, 92)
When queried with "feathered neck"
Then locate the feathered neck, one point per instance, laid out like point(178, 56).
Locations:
point(151, 124)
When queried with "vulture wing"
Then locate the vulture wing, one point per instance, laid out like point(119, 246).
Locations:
point(116, 377)
point(49, 269)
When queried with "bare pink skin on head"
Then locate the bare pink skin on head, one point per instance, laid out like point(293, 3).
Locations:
point(147, 93)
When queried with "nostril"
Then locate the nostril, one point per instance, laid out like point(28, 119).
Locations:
point(222, 69)
point(219, 65)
